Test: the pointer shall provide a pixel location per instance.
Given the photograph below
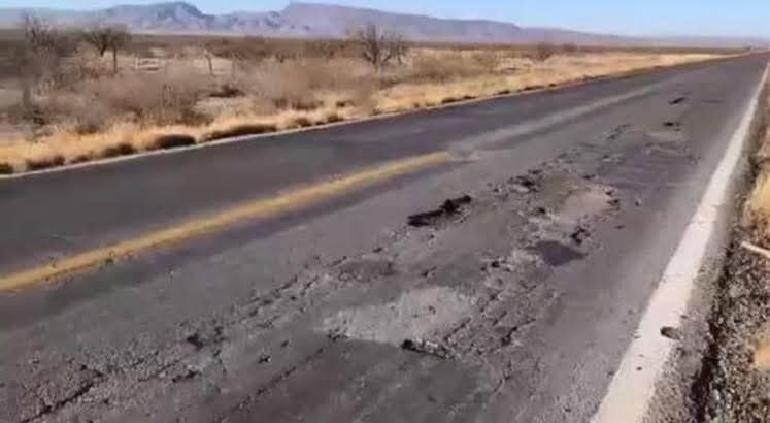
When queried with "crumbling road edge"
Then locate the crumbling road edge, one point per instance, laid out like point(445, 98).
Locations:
point(645, 361)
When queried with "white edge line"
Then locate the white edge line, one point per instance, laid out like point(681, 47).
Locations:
point(644, 363)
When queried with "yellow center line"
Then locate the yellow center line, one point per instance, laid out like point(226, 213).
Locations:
point(257, 209)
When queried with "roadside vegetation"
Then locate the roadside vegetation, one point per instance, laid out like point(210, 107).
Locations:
point(734, 382)
point(758, 205)
point(71, 97)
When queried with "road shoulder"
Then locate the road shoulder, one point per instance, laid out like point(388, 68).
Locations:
point(644, 367)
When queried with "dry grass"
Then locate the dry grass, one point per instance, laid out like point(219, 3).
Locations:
point(181, 101)
point(526, 75)
point(758, 203)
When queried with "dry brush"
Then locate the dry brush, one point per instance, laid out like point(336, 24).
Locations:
point(159, 92)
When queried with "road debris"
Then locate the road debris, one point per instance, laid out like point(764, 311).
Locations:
point(673, 125)
point(201, 340)
point(617, 132)
point(189, 373)
point(754, 249)
point(580, 235)
point(423, 346)
point(670, 332)
point(524, 184)
point(449, 208)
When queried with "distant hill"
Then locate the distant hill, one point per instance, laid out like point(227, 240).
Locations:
point(299, 20)
point(317, 20)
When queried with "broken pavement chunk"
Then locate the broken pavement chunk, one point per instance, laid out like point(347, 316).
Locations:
point(676, 126)
point(580, 235)
point(670, 332)
point(524, 183)
point(426, 347)
point(449, 208)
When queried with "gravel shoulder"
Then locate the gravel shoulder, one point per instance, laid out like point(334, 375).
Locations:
point(733, 383)
point(733, 387)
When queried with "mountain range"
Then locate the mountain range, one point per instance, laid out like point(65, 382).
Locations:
point(315, 20)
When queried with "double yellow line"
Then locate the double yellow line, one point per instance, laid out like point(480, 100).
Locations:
point(257, 209)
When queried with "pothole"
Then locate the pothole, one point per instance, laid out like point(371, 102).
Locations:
point(666, 136)
point(555, 253)
point(417, 314)
point(584, 203)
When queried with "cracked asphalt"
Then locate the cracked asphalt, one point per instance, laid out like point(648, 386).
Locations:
point(503, 287)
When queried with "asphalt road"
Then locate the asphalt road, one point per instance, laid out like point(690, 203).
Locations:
point(515, 305)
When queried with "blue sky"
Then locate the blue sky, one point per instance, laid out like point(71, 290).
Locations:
point(635, 17)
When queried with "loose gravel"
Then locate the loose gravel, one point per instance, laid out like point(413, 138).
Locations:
point(731, 388)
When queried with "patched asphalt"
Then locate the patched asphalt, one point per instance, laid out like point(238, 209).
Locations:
point(504, 287)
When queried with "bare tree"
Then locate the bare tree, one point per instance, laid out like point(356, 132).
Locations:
point(326, 49)
point(542, 52)
point(108, 38)
point(99, 38)
point(40, 56)
point(399, 47)
point(208, 48)
point(379, 47)
point(570, 48)
point(209, 61)
point(37, 35)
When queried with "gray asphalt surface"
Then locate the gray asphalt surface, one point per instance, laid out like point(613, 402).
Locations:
point(517, 307)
